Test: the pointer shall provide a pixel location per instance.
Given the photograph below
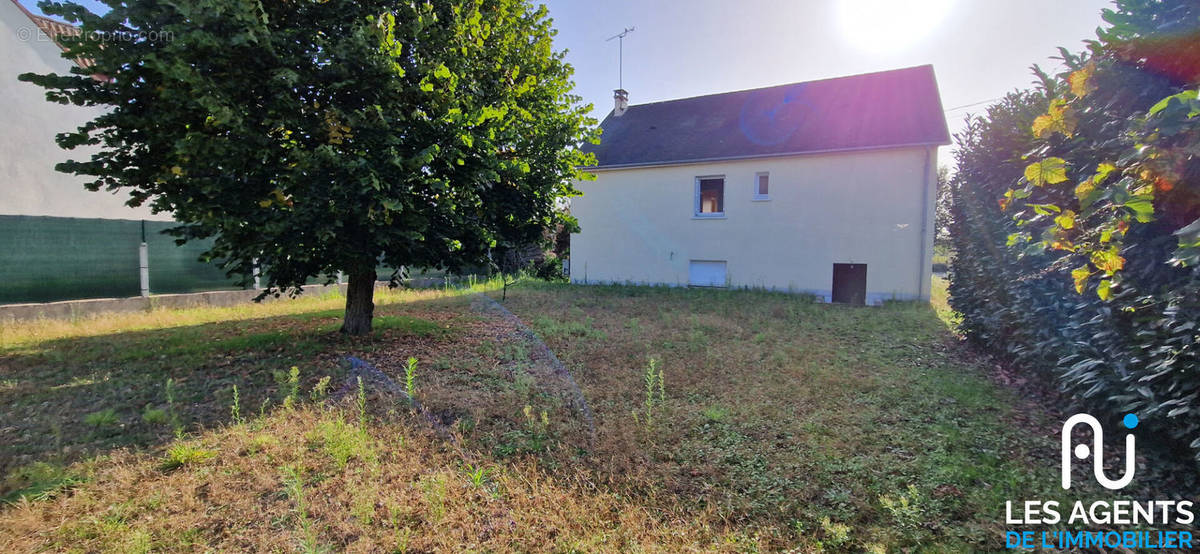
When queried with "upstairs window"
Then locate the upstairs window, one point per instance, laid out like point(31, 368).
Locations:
point(710, 196)
point(762, 182)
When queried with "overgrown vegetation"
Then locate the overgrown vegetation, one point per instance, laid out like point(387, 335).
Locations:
point(776, 424)
point(1076, 223)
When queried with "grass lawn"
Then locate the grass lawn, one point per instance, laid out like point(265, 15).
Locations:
point(777, 423)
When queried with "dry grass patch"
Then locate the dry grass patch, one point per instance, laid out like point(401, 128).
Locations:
point(279, 485)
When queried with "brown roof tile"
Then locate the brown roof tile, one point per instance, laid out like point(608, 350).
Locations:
point(55, 29)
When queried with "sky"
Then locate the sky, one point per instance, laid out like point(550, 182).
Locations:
point(979, 49)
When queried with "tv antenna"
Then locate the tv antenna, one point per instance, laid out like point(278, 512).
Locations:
point(620, 55)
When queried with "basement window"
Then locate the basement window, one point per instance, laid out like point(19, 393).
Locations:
point(710, 196)
point(762, 182)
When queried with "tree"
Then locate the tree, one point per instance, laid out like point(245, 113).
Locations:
point(941, 215)
point(311, 137)
point(1076, 220)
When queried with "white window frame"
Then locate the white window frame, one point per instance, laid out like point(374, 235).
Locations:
point(696, 213)
point(762, 197)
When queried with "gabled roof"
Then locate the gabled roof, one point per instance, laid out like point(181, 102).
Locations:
point(54, 29)
point(873, 110)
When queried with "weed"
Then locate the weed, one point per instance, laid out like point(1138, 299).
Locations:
point(516, 352)
point(289, 384)
point(523, 382)
point(103, 418)
point(293, 484)
point(402, 532)
point(534, 437)
point(656, 391)
point(137, 541)
point(410, 378)
point(39, 481)
point(715, 414)
point(550, 328)
point(172, 409)
point(433, 490)
point(320, 390)
point(260, 443)
point(182, 454)
point(477, 476)
point(906, 508)
point(235, 411)
point(154, 416)
point(344, 442)
point(362, 504)
point(836, 534)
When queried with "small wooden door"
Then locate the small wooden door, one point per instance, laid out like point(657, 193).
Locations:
point(850, 283)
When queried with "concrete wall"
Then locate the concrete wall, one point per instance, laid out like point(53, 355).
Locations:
point(29, 185)
point(71, 309)
point(873, 207)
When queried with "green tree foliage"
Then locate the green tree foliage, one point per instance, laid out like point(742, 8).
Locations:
point(1076, 215)
point(941, 212)
point(314, 137)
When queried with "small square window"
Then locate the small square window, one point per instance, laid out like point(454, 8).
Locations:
point(710, 196)
point(762, 182)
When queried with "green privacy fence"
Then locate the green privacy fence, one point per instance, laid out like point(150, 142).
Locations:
point(44, 259)
point(176, 268)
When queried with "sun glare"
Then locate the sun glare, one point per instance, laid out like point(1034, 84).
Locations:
point(880, 26)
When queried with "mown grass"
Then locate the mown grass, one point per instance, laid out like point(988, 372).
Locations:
point(767, 422)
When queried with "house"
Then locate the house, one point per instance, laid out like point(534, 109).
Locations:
point(29, 185)
point(823, 187)
point(57, 239)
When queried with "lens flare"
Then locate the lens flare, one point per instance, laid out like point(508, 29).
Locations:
point(879, 26)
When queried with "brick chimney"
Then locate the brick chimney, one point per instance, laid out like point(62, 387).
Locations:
point(620, 102)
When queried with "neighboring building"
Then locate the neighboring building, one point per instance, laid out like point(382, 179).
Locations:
point(29, 185)
point(57, 239)
point(824, 187)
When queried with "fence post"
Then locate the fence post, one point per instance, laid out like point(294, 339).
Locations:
point(144, 263)
point(257, 278)
point(144, 267)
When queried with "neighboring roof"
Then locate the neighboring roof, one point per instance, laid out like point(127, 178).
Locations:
point(55, 29)
point(872, 110)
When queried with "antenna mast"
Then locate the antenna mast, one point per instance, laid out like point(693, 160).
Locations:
point(620, 55)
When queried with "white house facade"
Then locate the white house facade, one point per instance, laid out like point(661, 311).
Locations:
point(825, 188)
point(29, 184)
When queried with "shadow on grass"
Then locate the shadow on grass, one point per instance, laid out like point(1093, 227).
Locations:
point(66, 399)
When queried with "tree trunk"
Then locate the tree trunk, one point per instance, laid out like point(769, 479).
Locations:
point(360, 305)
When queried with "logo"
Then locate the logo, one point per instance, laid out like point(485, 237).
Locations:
point(1105, 516)
point(1082, 451)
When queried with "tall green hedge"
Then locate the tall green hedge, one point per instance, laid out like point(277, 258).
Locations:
point(1076, 221)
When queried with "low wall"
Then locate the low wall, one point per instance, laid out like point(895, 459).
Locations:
point(70, 309)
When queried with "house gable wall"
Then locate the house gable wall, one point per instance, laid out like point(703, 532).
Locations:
point(29, 185)
point(873, 207)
